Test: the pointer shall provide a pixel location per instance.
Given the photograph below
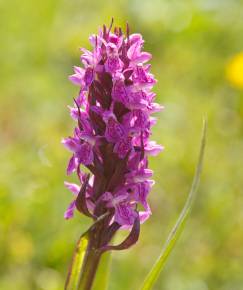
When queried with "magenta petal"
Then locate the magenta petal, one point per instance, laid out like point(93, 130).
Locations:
point(136, 37)
point(153, 149)
point(76, 79)
point(123, 147)
point(140, 175)
point(134, 51)
point(113, 64)
point(106, 196)
point(119, 91)
point(79, 70)
point(114, 131)
point(154, 107)
point(143, 57)
point(85, 154)
point(125, 215)
point(88, 76)
point(74, 188)
point(144, 215)
point(70, 210)
point(71, 144)
point(72, 165)
point(74, 113)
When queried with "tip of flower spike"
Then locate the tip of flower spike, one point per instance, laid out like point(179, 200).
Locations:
point(127, 31)
point(112, 20)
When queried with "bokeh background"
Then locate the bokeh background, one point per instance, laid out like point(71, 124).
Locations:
point(197, 49)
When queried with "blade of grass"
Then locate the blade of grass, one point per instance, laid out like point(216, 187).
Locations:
point(72, 282)
point(178, 227)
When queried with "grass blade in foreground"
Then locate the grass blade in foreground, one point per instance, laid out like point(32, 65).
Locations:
point(178, 227)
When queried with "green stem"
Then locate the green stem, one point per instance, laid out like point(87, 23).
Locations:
point(90, 265)
point(87, 254)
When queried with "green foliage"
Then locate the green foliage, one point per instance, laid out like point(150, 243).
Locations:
point(191, 43)
point(83, 263)
point(73, 278)
point(180, 223)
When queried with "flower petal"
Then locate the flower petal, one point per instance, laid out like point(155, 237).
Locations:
point(74, 188)
point(70, 210)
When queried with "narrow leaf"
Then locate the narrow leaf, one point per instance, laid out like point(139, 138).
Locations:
point(72, 282)
point(80, 202)
point(178, 227)
point(130, 240)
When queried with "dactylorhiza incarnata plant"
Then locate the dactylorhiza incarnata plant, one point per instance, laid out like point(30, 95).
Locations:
point(112, 140)
point(112, 137)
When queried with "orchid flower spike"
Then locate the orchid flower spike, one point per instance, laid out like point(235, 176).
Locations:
point(112, 134)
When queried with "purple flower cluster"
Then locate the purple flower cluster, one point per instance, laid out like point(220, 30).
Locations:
point(113, 114)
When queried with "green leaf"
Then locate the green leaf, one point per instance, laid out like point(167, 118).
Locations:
point(102, 274)
point(178, 227)
point(72, 282)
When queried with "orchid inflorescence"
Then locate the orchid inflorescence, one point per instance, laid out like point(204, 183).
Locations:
point(113, 114)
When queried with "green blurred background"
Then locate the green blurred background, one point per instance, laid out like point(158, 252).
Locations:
point(196, 47)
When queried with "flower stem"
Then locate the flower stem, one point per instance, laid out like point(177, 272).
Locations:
point(90, 265)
